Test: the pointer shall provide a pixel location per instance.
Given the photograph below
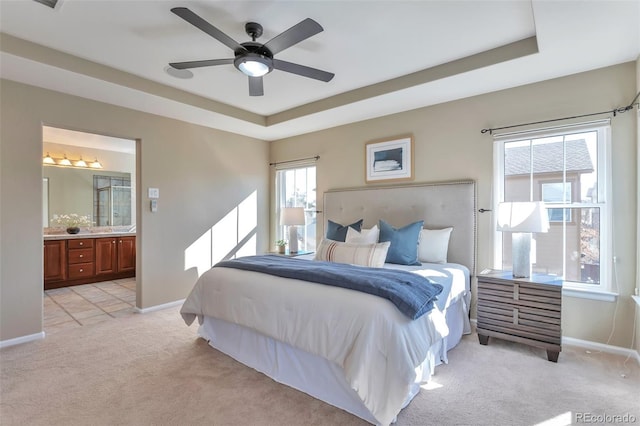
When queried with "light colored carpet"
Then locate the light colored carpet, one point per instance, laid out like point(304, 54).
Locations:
point(151, 370)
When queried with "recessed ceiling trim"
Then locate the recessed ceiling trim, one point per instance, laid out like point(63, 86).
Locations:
point(36, 52)
point(515, 50)
point(39, 53)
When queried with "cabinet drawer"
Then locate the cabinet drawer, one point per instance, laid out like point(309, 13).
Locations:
point(520, 317)
point(80, 255)
point(81, 270)
point(80, 243)
point(519, 294)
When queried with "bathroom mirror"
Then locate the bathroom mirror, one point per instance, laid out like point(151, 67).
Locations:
point(104, 196)
point(107, 195)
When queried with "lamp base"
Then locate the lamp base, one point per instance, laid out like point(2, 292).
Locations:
point(521, 254)
point(293, 239)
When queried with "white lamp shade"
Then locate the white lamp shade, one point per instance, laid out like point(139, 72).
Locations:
point(292, 216)
point(523, 217)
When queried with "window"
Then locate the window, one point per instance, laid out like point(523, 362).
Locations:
point(557, 193)
point(567, 168)
point(296, 187)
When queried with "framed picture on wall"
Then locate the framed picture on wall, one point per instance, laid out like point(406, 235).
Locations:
point(389, 159)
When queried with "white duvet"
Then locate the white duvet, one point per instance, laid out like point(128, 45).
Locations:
point(377, 346)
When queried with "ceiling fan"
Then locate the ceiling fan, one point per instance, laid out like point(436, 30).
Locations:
point(254, 59)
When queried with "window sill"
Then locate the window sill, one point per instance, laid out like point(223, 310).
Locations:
point(582, 293)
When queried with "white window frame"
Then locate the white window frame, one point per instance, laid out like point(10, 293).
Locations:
point(603, 290)
point(280, 198)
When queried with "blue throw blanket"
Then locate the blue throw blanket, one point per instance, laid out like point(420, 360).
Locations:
point(412, 294)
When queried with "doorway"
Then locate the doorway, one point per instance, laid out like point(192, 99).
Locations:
point(99, 183)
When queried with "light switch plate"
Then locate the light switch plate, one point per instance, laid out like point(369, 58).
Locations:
point(154, 193)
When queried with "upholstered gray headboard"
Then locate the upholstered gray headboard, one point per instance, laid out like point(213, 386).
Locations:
point(439, 204)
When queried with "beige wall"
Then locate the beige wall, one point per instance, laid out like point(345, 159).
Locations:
point(449, 146)
point(203, 176)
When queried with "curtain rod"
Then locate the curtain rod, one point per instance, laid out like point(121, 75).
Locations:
point(317, 157)
point(614, 111)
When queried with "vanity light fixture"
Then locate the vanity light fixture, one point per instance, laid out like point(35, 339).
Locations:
point(65, 162)
point(48, 160)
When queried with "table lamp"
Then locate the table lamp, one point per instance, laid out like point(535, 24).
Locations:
point(522, 219)
point(292, 217)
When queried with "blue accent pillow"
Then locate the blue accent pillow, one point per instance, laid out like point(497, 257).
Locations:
point(404, 242)
point(337, 232)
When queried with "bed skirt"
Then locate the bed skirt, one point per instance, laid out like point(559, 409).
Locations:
point(313, 374)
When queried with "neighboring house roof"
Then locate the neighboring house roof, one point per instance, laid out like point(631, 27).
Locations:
point(548, 158)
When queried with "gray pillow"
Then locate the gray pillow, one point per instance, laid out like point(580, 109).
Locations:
point(337, 232)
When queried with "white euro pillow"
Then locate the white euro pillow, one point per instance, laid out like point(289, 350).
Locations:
point(366, 236)
point(433, 245)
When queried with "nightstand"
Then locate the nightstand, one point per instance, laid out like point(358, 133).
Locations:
point(523, 310)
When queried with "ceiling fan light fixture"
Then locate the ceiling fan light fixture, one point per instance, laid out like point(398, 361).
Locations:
point(254, 65)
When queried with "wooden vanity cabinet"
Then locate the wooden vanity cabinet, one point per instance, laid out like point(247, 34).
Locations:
point(55, 260)
point(106, 260)
point(127, 254)
point(80, 256)
point(115, 255)
point(75, 261)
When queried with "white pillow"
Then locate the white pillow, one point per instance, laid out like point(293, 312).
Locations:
point(367, 236)
point(372, 255)
point(433, 245)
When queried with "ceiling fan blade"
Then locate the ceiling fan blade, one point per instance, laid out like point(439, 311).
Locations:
point(302, 70)
point(255, 86)
point(301, 31)
point(198, 64)
point(203, 25)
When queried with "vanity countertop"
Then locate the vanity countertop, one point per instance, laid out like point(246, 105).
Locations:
point(65, 236)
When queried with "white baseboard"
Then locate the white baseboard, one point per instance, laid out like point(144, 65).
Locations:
point(159, 307)
point(587, 344)
point(22, 339)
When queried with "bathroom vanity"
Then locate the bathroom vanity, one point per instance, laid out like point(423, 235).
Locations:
point(87, 258)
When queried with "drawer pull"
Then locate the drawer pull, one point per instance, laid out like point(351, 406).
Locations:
point(113, 242)
point(81, 243)
point(81, 270)
point(82, 255)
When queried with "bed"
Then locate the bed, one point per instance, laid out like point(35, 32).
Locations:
point(353, 350)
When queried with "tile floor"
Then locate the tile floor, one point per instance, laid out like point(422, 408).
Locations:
point(79, 305)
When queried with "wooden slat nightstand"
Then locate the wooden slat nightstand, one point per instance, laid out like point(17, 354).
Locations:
point(524, 310)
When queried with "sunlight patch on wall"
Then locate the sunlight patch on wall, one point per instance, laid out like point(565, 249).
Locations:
point(232, 236)
point(224, 236)
point(248, 216)
point(198, 254)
